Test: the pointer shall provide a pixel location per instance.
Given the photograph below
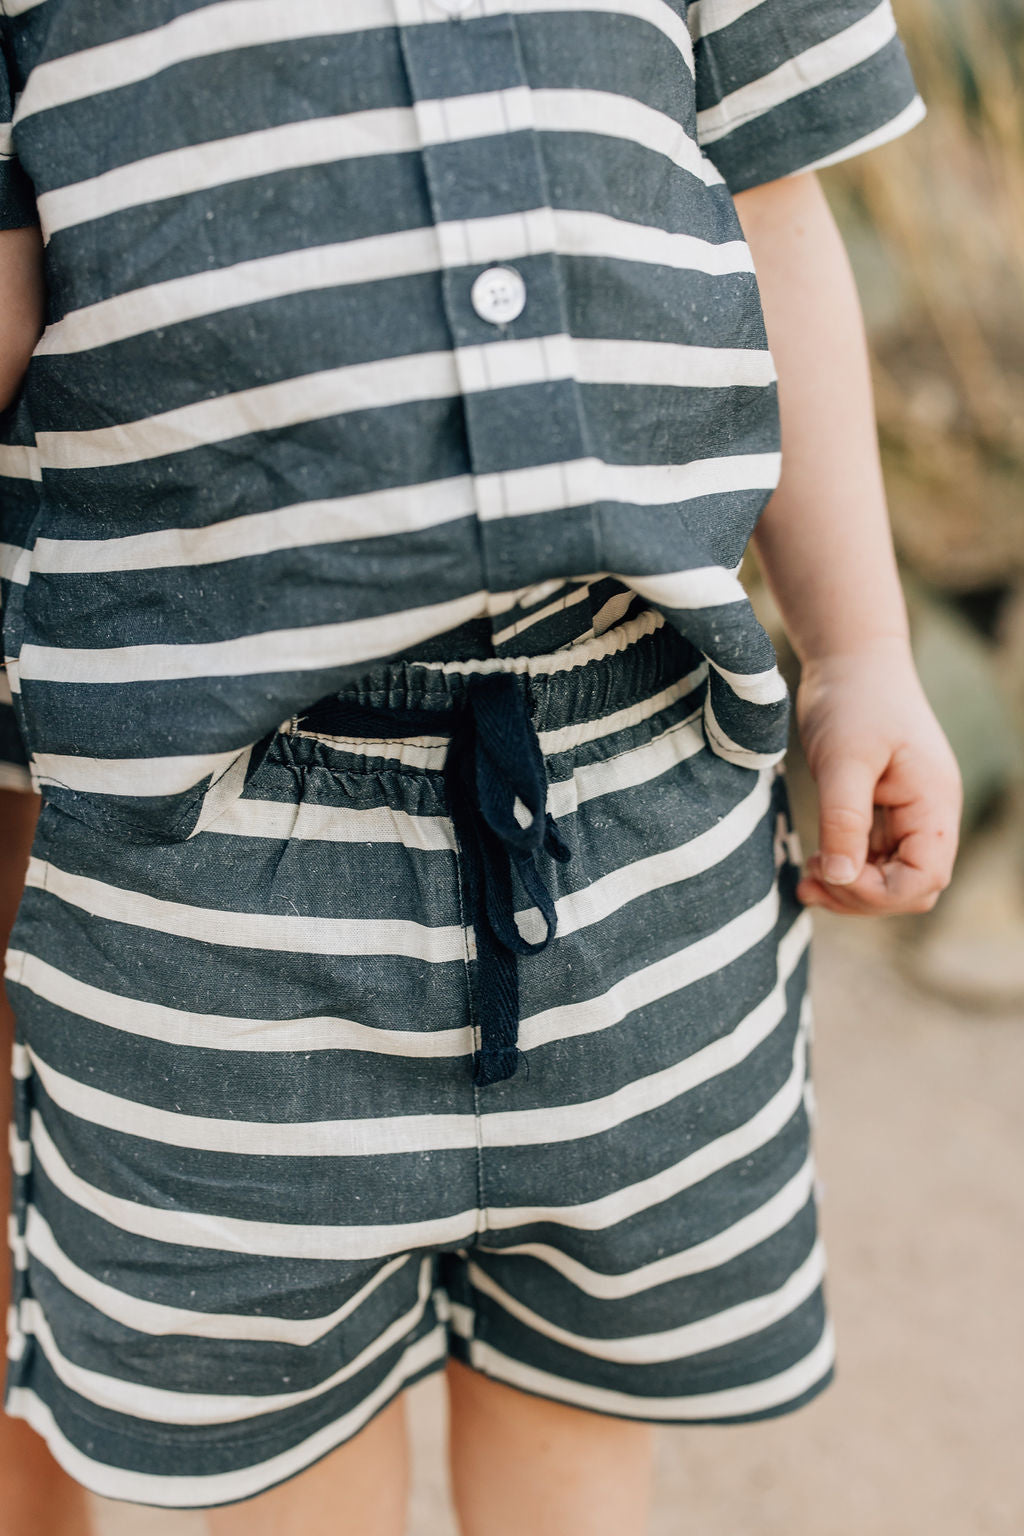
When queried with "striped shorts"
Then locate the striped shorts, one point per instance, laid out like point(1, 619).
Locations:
point(261, 1181)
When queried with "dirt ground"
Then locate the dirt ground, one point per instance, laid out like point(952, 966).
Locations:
point(921, 1150)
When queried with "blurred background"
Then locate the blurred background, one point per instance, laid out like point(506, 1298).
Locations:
point(935, 228)
point(919, 1035)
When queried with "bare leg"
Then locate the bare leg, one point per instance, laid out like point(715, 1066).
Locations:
point(37, 1495)
point(524, 1466)
point(361, 1489)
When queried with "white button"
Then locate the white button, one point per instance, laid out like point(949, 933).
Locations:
point(498, 295)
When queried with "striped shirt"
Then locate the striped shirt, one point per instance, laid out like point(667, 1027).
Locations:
point(390, 328)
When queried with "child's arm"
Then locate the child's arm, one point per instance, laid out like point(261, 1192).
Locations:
point(21, 304)
point(888, 784)
point(22, 308)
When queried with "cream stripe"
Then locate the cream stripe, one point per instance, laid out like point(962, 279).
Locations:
point(427, 754)
point(381, 1137)
point(288, 402)
point(18, 462)
point(403, 1134)
point(275, 651)
point(526, 622)
point(667, 364)
point(224, 162)
point(404, 509)
point(163, 1405)
point(568, 737)
point(403, 253)
point(602, 235)
point(128, 776)
point(430, 753)
point(377, 131)
point(228, 1234)
point(664, 977)
point(157, 776)
point(627, 769)
point(300, 934)
point(549, 487)
point(710, 586)
point(607, 1210)
point(607, 114)
point(610, 892)
point(196, 1492)
point(891, 130)
point(729, 1402)
point(706, 16)
point(508, 364)
point(234, 1234)
point(159, 1320)
point(721, 1328)
point(769, 1218)
point(14, 563)
point(723, 744)
point(503, 237)
point(223, 1032)
point(756, 687)
point(800, 73)
point(397, 510)
point(236, 24)
point(227, 27)
point(345, 936)
point(307, 821)
point(659, 16)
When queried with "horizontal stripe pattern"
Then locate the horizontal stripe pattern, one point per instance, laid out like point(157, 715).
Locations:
point(265, 391)
point(259, 1192)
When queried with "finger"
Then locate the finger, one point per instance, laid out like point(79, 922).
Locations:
point(880, 840)
point(846, 815)
point(812, 893)
point(925, 838)
point(881, 890)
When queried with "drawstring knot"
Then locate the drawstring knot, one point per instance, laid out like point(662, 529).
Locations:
point(494, 764)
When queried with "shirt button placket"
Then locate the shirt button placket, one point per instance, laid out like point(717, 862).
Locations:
point(446, 67)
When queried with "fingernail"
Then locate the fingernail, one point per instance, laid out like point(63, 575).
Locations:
point(838, 869)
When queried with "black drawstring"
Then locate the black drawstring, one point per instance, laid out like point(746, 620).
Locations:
point(494, 758)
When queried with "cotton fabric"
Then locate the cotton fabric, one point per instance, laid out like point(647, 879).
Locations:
point(266, 438)
point(257, 1192)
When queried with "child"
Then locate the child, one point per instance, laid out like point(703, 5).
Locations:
point(411, 969)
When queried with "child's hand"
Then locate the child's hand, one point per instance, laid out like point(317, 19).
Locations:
point(888, 785)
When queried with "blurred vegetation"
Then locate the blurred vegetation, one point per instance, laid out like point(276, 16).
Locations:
point(934, 223)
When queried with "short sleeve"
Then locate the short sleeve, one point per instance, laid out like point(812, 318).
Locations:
point(17, 200)
point(792, 85)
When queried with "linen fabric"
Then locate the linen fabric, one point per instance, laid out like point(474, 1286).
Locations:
point(257, 1192)
point(267, 439)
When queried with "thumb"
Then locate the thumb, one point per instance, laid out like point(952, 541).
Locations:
point(846, 793)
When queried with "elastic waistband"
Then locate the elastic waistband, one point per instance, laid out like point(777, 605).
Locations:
point(589, 681)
